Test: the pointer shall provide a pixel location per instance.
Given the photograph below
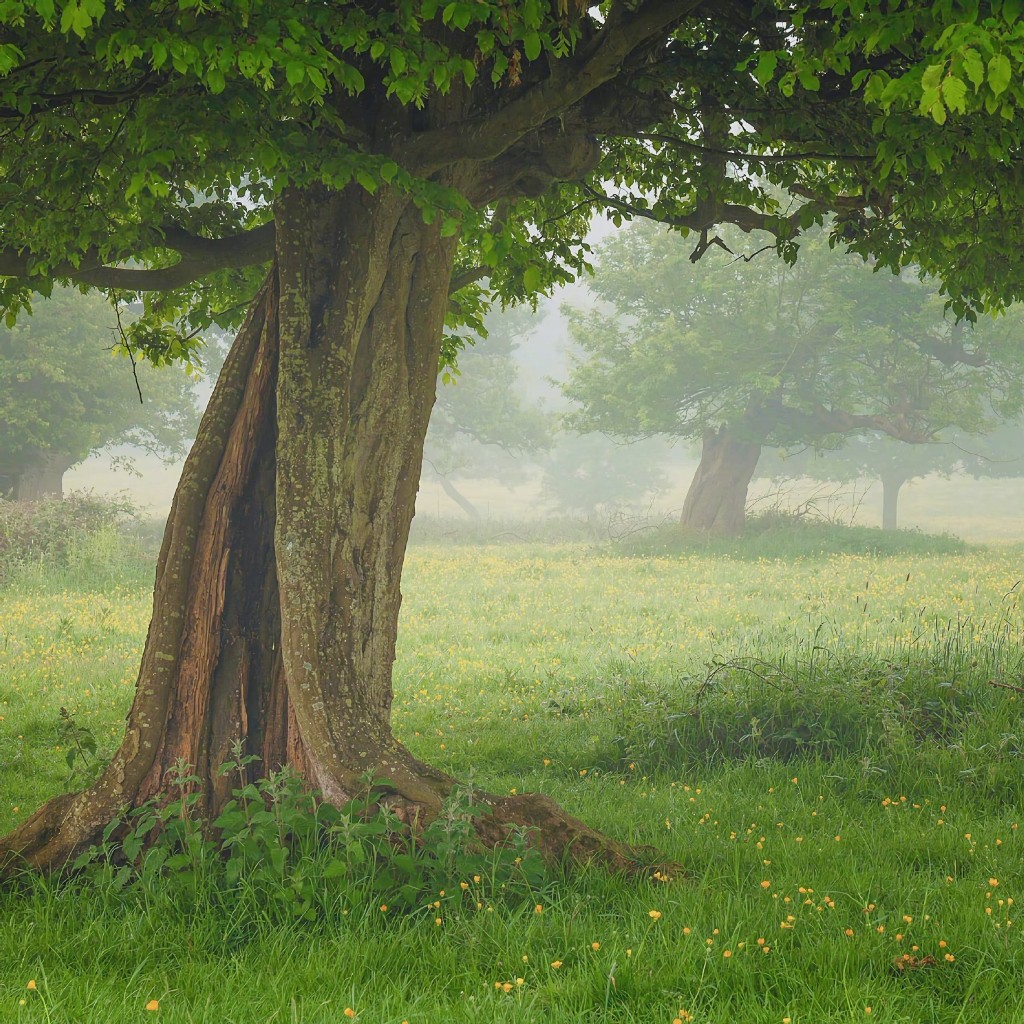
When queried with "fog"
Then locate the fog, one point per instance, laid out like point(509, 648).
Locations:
point(481, 475)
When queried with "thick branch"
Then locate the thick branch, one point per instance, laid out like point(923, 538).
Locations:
point(45, 103)
point(570, 81)
point(199, 257)
point(951, 352)
point(895, 425)
point(467, 277)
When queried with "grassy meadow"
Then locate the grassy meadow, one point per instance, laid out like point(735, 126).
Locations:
point(814, 737)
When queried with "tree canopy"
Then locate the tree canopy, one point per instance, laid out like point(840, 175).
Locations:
point(145, 144)
point(878, 457)
point(787, 356)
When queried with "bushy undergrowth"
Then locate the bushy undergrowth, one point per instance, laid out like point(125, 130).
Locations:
point(953, 706)
point(776, 534)
point(83, 538)
point(276, 855)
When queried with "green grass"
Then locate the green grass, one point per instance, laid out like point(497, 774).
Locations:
point(739, 713)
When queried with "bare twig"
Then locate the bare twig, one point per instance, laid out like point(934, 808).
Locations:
point(128, 348)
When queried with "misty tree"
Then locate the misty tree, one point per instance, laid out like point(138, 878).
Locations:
point(746, 353)
point(593, 475)
point(64, 395)
point(346, 175)
point(481, 427)
point(894, 464)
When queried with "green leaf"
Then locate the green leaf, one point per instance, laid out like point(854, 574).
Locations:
point(974, 67)
point(215, 80)
point(764, 72)
point(531, 278)
point(531, 45)
point(809, 80)
point(368, 181)
point(954, 94)
point(998, 73)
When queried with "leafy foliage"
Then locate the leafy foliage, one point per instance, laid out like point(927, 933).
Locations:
point(49, 530)
point(163, 134)
point(277, 852)
point(590, 474)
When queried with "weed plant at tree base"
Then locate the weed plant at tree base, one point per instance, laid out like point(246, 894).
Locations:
point(277, 854)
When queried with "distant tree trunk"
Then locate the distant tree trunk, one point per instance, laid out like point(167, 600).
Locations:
point(717, 499)
point(458, 497)
point(275, 612)
point(892, 481)
point(39, 476)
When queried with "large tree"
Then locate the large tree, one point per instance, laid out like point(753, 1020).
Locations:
point(365, 162)
point(740, 354)
point(64, 395)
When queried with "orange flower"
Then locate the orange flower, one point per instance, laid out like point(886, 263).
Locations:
point(654, 915)
point(31, 986)
point(152, 1005)
point(349, 1012)
point(595, 946)
point(556, 964)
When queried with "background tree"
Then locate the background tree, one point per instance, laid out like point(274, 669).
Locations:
point(65, 395)
point(592, 475)
point(338, 152)
point(892, 463)
point(747, 353)
point(481, 426)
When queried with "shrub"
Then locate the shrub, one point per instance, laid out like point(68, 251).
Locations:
point(83, 532)
point(775, 534)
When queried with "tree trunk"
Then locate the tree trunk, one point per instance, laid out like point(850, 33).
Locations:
point(458, 497)
point(717, 499)
point(40, 477)
point(891, 485)
point(276, 604)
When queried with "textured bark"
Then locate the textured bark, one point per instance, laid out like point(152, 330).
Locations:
point(276, 605)
point(208, 659)
point(891, 485)
point(717, 499)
